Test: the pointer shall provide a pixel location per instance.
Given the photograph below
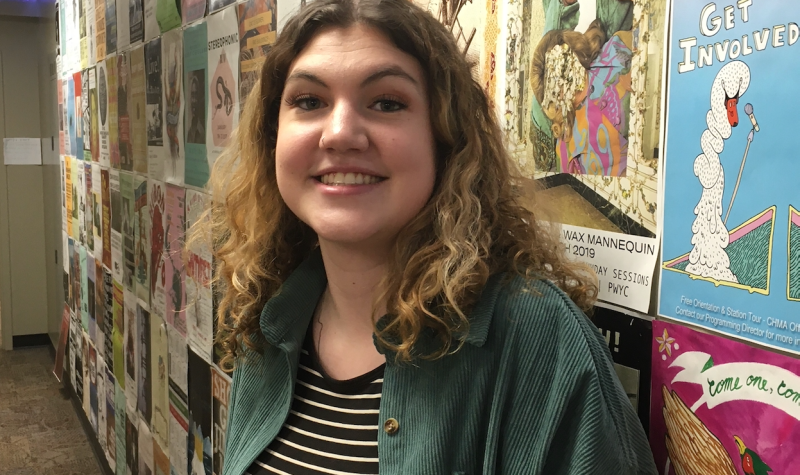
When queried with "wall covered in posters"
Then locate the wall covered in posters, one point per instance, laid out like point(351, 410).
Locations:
point(731, 243)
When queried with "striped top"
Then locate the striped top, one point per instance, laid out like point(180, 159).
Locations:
point(332, 426)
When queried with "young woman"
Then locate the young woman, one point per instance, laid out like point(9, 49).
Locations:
point(388, 304)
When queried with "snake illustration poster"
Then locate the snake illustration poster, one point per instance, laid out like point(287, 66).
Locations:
point(223, 75)
point(579, 96)
point(731, 246)
point(721, 407)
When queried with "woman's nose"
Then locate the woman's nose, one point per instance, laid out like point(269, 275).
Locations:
point(345, 129)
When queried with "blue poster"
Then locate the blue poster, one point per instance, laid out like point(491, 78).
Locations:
point(731, 241)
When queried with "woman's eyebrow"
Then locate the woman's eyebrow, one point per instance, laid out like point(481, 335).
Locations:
point(387, 71)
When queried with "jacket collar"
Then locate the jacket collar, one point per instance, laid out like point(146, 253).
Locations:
point(286, 316)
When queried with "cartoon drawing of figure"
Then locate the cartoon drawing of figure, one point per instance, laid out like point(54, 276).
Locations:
point(710, 237)
point(751, 462)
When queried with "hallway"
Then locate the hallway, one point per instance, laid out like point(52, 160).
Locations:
point(40, 432)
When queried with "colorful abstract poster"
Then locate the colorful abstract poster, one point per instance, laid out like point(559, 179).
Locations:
point(117, 261)
point(108, 318)
point(86, 117)
point(111, 27)
point(123, 111)
point(136, 20)
point(132, 443)
point(223, 74)
point(70, 139)
point(113, 118)
point(132, 342)
point(726, 250)
point(172, 78)
point(192, 10)
point(128, 196)
point(195, 62)
point(123, 26)
point(94, 110)
point(78, 85)
point(94, 210)
point(155, 110)
point(199, 308)
point(119, 410)
point(111, 419)
point(102, 118)
point(105, 217)
point(216, 5)
point(157, 199)
point(720, 406)
point(141, 240)
point(159, 344)
point(151, 29)
point(168, 14)
point(144, 401)
point(597, 160)
point(118, 335)
point(258, 29)
point(199, 416)
point(137, 110)
point(220, 390)
point(174, 283)
point(100, 29)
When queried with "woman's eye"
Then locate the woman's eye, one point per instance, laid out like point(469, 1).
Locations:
point(388, 105)
point(308, 103)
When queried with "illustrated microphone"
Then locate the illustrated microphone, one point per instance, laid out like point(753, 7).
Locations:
point(748, 109)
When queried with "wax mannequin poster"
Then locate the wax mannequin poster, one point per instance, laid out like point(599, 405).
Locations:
point(155, 110)
point(192, 10)
point(729, 253)
point(127, 196)
point(720, 406)
point(195, 61)
point(136, 20)
point(199, 445)
point(599, 166)
point(220, 390)
point(159, 344)
point(156, 196)
point(105, 216)
point(199, 309)
point(103, 119)
point(123, 111)
point(137, 111)
point(174, 283)
point(258, 29)
point(172, 86)
point(141, 235)
point(117, 261)
point(131, 338)
point(223, 72)
point(113, 119)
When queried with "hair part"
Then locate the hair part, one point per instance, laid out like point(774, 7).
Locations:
point(473, 226)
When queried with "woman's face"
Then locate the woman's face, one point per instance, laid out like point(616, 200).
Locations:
point(355, 149)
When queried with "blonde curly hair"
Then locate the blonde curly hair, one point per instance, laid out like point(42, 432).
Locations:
point(478, 221)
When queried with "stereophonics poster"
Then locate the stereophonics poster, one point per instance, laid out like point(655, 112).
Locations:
point(721, 407)
point(731, 226)
point(578, 92)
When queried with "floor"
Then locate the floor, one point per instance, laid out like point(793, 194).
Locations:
point(39, 430)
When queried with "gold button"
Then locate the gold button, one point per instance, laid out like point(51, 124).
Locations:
point(391, 426)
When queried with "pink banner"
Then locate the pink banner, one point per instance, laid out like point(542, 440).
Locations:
point(722, 407)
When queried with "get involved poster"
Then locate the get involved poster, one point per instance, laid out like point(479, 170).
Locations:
point(731, 247)
point(722, 407)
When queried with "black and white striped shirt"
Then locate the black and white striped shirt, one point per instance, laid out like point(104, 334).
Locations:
point(332, 427)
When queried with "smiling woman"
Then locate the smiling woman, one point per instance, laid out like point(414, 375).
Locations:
point(386, 302)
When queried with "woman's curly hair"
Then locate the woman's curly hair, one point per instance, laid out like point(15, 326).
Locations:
point(478, 221)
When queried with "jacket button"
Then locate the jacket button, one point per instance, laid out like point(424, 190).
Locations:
point(391, 426)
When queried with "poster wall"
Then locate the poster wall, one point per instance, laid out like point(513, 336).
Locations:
point(730, 242)
point(720, 406)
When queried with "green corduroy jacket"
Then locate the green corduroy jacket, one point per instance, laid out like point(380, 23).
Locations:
point(532, 391)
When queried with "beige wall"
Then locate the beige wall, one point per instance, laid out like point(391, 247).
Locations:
point(27, 238)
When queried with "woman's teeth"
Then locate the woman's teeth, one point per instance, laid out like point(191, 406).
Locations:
point(337, 179)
